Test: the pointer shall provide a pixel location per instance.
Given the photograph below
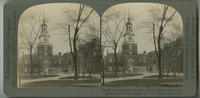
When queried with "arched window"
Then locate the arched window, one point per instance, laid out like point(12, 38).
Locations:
point(129, 27)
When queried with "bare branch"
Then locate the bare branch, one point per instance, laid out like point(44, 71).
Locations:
point(37, 34)
point(70, 43)
point(169, 19)
point(109, 33)
point(85, 19)
point(121, 33)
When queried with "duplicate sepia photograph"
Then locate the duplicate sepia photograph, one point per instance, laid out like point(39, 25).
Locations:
point(131, 45)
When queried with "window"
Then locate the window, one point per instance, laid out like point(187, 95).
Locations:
point(130, 46)
point(49, 48)
point(45, 48)
point(130, 52)
point(110, 60)
point(129, 27)
point(44, 28)
point(60, 61)
point(45, 54)
point(55, 61)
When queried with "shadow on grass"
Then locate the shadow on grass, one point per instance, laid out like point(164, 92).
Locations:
point(63, 83)
point(166, 77)
point(80, 77)
point(38, 76)
point(147, 83)
point(121, 75)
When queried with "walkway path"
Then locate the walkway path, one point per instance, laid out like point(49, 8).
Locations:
point(52, 78)
point(129, 77)
point(135, 77)
point(46, 79)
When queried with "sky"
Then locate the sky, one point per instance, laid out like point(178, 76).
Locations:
point(54, 15)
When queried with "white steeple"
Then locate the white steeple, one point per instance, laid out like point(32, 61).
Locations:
point(129, 36)
point(44, 34)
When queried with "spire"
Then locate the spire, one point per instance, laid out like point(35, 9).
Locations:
point(129, 19)
point(129, 24)
point(44, 21)
point(44, 27)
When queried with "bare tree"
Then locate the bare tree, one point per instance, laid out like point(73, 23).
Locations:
point(29, 30)
point(73, 31)
point(161, 22)
point(113, 35)
point(177, 34)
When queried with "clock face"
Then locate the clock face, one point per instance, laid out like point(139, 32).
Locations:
point(45, 39)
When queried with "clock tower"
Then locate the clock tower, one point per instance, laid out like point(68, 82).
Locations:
point(129, 49)
point(44, 48)
point(129, 46)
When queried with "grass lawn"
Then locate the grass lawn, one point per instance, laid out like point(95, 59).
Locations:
point(80, 77)
point(63, 83)
point(147, 83)
point(106, 76)
point(37, 76)
point(120, 75)
point(94, 82)
point(165, 77)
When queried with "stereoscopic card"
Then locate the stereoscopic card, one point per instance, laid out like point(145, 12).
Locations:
point(100, 48)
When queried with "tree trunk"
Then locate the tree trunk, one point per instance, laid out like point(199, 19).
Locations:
point(159, 58)
point(31, 61)
point(177, 69)
point(94, 71)
point(75, 68)
point(84, 71)
point(163, 67)
point(163, 71)
point(115, 57)
point(168, 71)
point(158, 49)
point(90, 71)
point(174, 70)
point(75, 55)
point(159, 68)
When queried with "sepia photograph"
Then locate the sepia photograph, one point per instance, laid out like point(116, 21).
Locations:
point(64, 45)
